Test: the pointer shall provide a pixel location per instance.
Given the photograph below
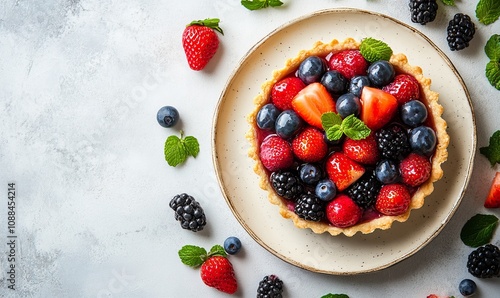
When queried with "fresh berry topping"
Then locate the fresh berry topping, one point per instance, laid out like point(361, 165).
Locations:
point(310, 173)
point(343, 212)
point(422, 140)
point(200, 42)
point(393, 142)
point(393, 199)
point(460, 31)
point(276, 153)
point(311, 69)
point(423, 11)
point(380, 73)
point(266, 117)
point(284, 91)
point(342, 170)
point(414, 113)
point(415, 169)
point(287, 124)
point(364, 151)
point(325, 190)
point(377, 107)
point(310, 207)
point(167, 116)
point(218, 272)
point(387, 171)
point(357, 83)
point(270, 287)
point(404, 87)
point(334, 82)
point(493, 198)
point(309, 145)
point(467, 287)
point(349, 63)
point(311, 102)
point(484, 262)
point(286, 185)
point(364, 191)
point(348, 104)
point(232, 245)
point(188, 212)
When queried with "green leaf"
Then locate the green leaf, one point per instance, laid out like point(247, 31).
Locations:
point(335, 296)
point(330, 119)
point(492, 152)
point(175, 152)
point(478, 230)
point(374, 50)
point(488, 11)
point(192, 255)
point(334, 132)
point(259, 4)
point(449, 2)
point(217, 250)
point(192, 146)
point(275, 3)
point(210, 23)
point(492, 47)
point(493, 73)
point(354, 128)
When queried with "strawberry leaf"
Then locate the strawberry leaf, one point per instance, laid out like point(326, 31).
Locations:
point(492, 152)
point(478, 230)
point(217, 250)
point(192, 255)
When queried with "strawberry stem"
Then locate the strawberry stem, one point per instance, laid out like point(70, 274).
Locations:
point(210, 23)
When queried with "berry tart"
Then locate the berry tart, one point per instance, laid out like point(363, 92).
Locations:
point(348, 137)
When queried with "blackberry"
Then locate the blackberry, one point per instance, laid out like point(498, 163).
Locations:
point(364, 192)
point(461, 30)
point(423, 11)
point(392, 142)
point(286, 184)
point(310, 207)
point(484, 262)
point(188, 212)
point(270, 287)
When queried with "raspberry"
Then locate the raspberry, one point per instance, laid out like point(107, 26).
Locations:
point(284, 91)
point(484, 262)
point(349, 63)
point(460, 30)
point(423, 11)
point(404, 87)
point(188, 212)
point(415, 169)
point(276, 153)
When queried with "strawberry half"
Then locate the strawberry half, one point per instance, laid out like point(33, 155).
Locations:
point(284, 91)
point(310, 145)
point(276, 153)
point(343, 212)
point(377, 107)
point(393, 199)
point(493, 198)
point(404, 87)
point(200, 42)
point(364, 151)
point(342, 170)
point(311, 102)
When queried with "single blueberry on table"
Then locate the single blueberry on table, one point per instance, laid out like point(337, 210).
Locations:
point(167, 116)
point(311, 69)
point(348, 104)
point(266, 117)
point(232, 245)
point(381, 73)
point(467, 287)
point(287, 124)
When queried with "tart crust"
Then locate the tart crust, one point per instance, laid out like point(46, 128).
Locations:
point(400, 62)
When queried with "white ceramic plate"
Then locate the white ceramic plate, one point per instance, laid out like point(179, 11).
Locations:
point(325, 253)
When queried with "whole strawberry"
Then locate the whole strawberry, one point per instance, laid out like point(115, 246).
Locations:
point(393, 199)
point(216, 270)
point(200, 42)
point(309, 145)
point(404, 87)
point(276, 153)
point(284, 91)
point(349, 63)
point(364, 151)
point(415, 169)
point(343, 212)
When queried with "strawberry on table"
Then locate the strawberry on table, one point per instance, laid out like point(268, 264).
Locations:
point(284, 91)
point(493, 198)
point(364, 151)
point(377, 107)
point(343, 212)
point(349, 63)
point(200, 42)
point(393, 199)
point(311, 102)
point(404, 87)
point(276, 153)
point(310, 145)
point(342, 170)
point(415, 169)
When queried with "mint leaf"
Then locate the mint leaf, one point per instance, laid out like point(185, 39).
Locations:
point(178, 149)
point(373, 50)
point(192, 255)
point(217, 250)
point(275, 3)
point(492, 47)
point(492, 152)
point(488, 11)
point(335, 296)
point(351, 126)
point(192, 146)
point(259, 4)
point(449, 2)
point(478, 230)
point(330, 119)
point(493, 73)
point(354, 128)
point(334, 133)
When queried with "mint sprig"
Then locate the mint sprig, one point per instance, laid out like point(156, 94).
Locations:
point(492, 50)
point(259, 4)
point(478, 230)
point(177, 150)
point(488, 11)
point(492, 151)
point(351, 126)
point(194, 256)
point(449, 2)
point(492, 47)
point(373, 50)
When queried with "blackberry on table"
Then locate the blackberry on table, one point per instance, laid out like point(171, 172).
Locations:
point(188, 212)
point(270, 287)
point(460, 30)
point(392, 142)
point(286, 184)
point(364, 192)
point(310, 207)
point(423, 11)
point(484, 262)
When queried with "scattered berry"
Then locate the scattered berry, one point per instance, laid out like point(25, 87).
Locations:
point(357, 83)
point(309, 145)
point(270, 287)
point(460, 30)
point(167, 116)
point(342, 170)
point(311, 102)
point(200, 42)
point(284, 91)
point(276, 153)
point(422, 140)
point(387, 171)
point(343, 212)
point(484, 262)
point(493, 198)
point(325, 190)
point(377, 107)
point(310, 207)
point(423, 11)
point(414, 113)
point(188, 212)
point(393, 142)
point(404, 87)
point(467, 287)
point(349, 63)
point(415, 169)
point(266, 117)
point(286, 185)
point(311, 69)
point(380, 73)
point(232, 245)
point(310, 173)
point(364, 151)
point(218, 272)
point(287, 124)
point(334, 82)
point(348, 104)
point(364, 191)
point(393, 199)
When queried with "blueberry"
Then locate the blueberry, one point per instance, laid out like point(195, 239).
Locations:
point(413, 113)
point(387, 171)
point(334, 82)
point(467, 287)
point(167, 116)
point(232, 245)
point(287, 124)
point(381, 73)
point(311, 69)
point(348, 104)
point(266, 117)
point(310, 173)
point(325, 190)
point(422, 140)
point(357, 83)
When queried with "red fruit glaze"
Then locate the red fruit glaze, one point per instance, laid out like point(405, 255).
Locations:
point(364, 151)
point(404, 87)
point(342, 170)
point(393, 199)
point(309, 145)
point(311, 102)
point(284, 91)
point(342, 212)
point(377, 107)
point(349, 63)
point(200, 44)
point(493, 198)
point(276, 153)
point(217, 272)
point(415, 169)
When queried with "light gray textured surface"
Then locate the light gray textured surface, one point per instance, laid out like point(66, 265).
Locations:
point(81, 84)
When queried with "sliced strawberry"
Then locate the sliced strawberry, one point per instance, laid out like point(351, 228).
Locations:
point(393, 199)
point(377, 107)
point(364, 151)
point(343, 212)
point(276, 153)
point(311, 102)
point(349, 63)
point(404, 87)
point(310, 145)
point(284, 91)
point(342, 170)
point(415, 169)
point(493, 198)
